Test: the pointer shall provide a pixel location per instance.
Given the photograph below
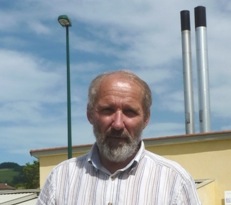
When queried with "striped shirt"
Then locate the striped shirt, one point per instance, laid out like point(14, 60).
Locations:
point(148, 179)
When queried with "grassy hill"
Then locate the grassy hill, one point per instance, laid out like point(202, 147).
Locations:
point(7, 175)
point(17, 176)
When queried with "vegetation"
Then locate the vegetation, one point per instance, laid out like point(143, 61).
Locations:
point(31, 175)
point(9, 165)
point(7, 175)
point(26, 177)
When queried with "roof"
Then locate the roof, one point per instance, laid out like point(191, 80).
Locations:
point(190, 138)
point(23, 197)
point(5, 186)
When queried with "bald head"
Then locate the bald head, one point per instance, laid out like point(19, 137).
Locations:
point(125, 78)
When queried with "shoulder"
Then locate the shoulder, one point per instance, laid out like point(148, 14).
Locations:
point(166, 164)
point(73, 163)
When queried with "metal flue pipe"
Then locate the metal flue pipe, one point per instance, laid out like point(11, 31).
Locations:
point(187, 72)
point(202, 67)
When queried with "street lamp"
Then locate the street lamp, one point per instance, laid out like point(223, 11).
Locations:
point(65, 22)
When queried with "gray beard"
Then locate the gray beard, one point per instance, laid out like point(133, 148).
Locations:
point(117, 153)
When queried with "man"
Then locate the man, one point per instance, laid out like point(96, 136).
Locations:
point(118, 170)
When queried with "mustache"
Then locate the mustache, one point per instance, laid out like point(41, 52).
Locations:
point(117, 134)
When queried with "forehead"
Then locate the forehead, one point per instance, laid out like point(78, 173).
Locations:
point(122, 89)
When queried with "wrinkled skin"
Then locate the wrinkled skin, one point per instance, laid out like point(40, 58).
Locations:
point(118, 120)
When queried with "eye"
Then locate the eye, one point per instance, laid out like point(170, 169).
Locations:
point(130, 112)
point(106, 111)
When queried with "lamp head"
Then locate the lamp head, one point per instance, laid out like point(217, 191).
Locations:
point(64, 21)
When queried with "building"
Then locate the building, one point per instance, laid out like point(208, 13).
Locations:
point(205, 155)
point(22, 197)
point(5, 186)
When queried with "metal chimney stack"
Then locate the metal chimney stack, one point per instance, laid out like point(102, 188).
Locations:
point(202, 67)
point(187, 71)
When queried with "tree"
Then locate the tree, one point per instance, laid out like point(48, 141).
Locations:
point(31, 175)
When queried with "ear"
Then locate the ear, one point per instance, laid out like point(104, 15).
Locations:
point(146, 120)
point(89, 115)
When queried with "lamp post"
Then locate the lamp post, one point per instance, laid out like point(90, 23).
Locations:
point(65, 22)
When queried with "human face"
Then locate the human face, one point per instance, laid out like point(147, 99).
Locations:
point(118, 118)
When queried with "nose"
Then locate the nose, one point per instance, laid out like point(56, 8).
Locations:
point(118, 122)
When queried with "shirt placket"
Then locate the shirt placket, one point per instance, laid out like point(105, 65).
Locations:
point(111, 190)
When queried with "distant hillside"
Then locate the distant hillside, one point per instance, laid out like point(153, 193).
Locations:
point(26, 177)
point(7, 175)
point(11, 173)
point(9, 165)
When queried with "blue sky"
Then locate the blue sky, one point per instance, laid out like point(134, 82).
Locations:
point(140, 35)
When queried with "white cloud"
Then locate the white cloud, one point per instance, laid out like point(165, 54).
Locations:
point(22, 76)
point(39, 27)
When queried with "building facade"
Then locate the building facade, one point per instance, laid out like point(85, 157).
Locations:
point(206, 156)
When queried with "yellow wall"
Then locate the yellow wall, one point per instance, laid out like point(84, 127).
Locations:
point(203, 160)
point(46, 165)
point(207, 194)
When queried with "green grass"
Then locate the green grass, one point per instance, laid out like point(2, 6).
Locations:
point(7, 175)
